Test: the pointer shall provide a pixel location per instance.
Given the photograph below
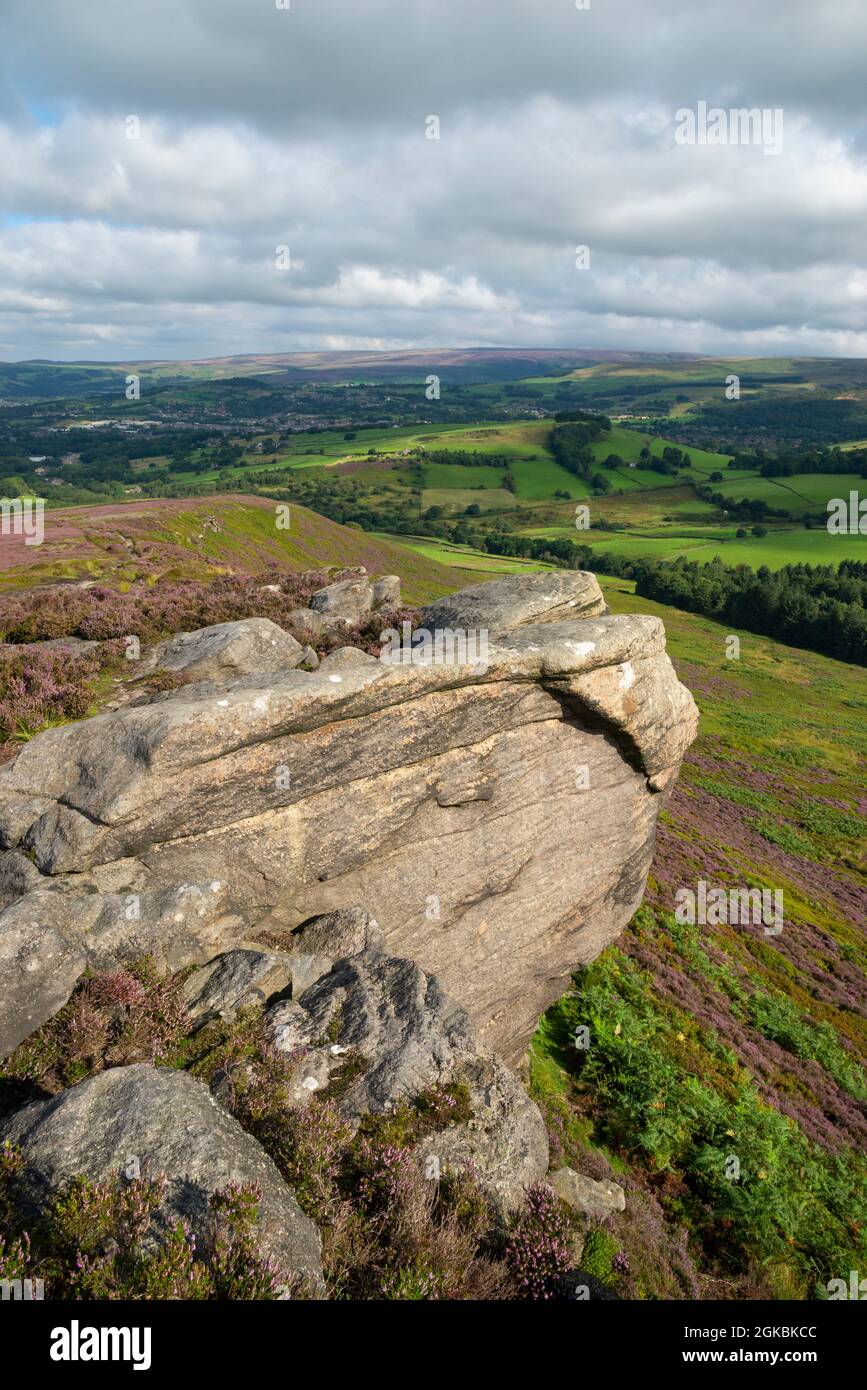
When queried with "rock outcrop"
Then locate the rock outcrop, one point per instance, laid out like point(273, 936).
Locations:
point(166, 1124)
point(252, 646)
point(497, 819)
point(409, 1036)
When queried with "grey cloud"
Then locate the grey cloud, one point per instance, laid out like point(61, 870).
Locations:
point(305, 126)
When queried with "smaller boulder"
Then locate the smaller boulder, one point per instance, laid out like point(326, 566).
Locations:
point(345, 932)
point(386, 591)
point(253, 646)
point(41, 958)
point(235, 981)
point(593, 1199)
point(17, 814)
point(349, 600)
point(518, 600)
point(306, 620)
point(171, 1125)
point(307, 968)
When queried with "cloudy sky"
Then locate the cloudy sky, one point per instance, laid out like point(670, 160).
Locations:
point(256, 127)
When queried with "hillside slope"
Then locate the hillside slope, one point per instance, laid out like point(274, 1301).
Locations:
point(196, 538)
point(725, 1084)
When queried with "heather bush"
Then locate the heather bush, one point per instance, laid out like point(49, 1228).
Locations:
point(537, 1246)
point(39, 688)
point(127, 1015)
point(424, 1245)
point(367, 633)
point(388, 1231)
point(413, 1282)
point(152, 611)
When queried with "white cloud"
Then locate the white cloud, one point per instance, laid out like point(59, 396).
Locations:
point(261, 128)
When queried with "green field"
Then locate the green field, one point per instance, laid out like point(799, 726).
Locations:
point(802, 492)
point(776, 549)
point(464, 557)
point(454, 500)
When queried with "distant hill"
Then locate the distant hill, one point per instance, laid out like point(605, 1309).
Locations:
point(32, 379)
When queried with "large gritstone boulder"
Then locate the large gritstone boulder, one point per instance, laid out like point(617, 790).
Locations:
point(496, 817)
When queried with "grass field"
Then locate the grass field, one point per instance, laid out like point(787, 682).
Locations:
point(455, 500)
point(628, 443)
point(776, 549)
point(463, 557)
point(802, 492)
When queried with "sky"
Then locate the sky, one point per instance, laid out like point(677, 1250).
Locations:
point(200, 178)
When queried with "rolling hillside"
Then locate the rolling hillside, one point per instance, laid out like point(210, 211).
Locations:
point(197, 538)
point(712, 1042)
point(720, 1042)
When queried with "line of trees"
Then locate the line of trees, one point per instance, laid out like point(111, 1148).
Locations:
point(788, 463)
point(468, 458)
point(818, 607)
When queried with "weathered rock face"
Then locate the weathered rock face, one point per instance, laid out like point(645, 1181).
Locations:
point(504, 604)
point(173, 1126)
point(411, 1036)
point(498, 821)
